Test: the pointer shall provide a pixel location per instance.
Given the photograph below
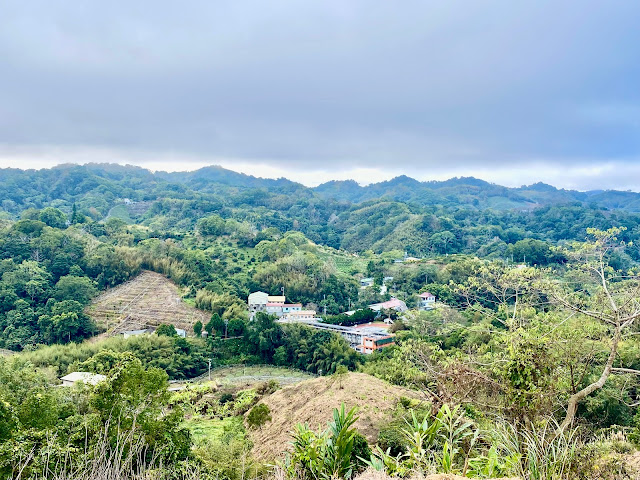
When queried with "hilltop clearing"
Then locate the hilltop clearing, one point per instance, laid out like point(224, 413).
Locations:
point(148, 300)
point(313, 401)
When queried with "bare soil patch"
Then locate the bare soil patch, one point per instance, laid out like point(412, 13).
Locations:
point(313, 401)
point(148, 300)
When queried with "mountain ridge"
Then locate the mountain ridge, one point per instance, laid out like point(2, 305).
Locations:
point(468, 192)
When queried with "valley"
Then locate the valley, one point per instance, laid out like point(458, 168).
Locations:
point(490, 338)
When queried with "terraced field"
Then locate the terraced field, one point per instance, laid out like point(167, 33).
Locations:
point(148, 300)
point(249, 375)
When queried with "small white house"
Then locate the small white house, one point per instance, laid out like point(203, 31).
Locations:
point(427, 301)
point(87, 378)
point(135, 333)
point(258, 302)
point(181, 333)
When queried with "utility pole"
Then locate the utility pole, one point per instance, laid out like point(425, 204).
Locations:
point(226, 323)
point(324, 302)
point(209, 369)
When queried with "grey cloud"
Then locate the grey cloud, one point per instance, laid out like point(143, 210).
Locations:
point(358, 83)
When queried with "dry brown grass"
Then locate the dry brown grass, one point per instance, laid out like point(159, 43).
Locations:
point(148, 300)
point(313, 402)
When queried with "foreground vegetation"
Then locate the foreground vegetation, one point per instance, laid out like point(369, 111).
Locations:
point(528, 367)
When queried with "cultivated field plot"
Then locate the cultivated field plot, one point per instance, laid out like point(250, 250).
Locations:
point(258, 373)
point(148, 300)
point(245, 376)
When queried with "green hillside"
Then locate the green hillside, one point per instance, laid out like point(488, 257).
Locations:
point(524, 364)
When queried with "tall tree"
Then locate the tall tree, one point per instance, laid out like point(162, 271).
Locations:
point(610, 297)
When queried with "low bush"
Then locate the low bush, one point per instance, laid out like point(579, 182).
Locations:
point(258, 416)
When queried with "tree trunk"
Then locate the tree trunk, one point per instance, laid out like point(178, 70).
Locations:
point(577, 397)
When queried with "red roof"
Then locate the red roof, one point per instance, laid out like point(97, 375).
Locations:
point(426, 295)
point(394, 302)
point(272, 304)
point(292, 305)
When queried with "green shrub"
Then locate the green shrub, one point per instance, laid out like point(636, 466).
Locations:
point(227, 457)
point(361, 450)
point(225, 398)
point(244, 401)
point(167, 330)
point(391, 438)
point(603, 458)
point(267, 388)
point(259, 415)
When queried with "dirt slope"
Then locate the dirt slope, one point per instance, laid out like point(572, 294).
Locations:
point(313, 402)
point(148, 300)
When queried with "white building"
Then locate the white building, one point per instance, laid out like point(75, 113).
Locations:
point(279, 309)
point(87, 378)
point(258, 302)
point(301, 316)
point(134, 333)
point(427, 301)
point(362, 338)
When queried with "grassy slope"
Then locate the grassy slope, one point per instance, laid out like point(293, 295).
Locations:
point(313, 402)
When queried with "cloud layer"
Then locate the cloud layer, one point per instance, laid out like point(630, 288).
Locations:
point(500, 89)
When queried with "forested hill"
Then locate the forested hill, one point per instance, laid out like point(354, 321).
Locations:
point(27, 187)
point(474, 193)
point(460, 215)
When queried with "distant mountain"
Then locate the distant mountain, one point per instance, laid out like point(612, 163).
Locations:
point(215, 174)
point(476, 193)
point(401, 214)
point(344, 190)
point(540, 187)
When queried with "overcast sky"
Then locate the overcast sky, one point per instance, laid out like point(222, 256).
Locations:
point(510, 91)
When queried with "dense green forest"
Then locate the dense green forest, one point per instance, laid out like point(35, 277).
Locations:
point(463, 215)
point(528, 367)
